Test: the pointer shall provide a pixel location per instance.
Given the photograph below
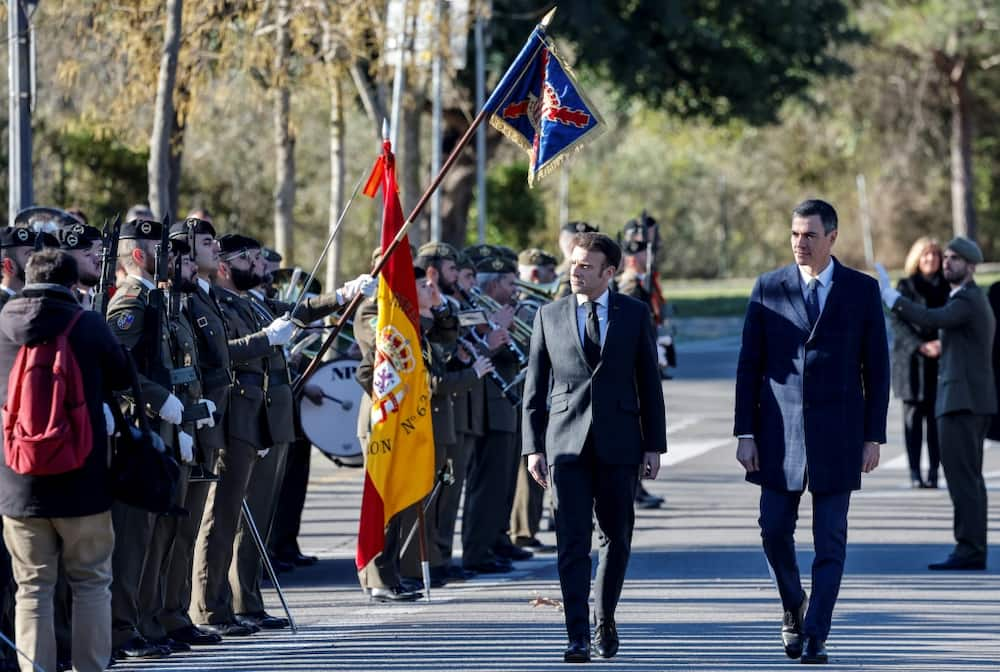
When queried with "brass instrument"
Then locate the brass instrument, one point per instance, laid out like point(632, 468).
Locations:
point(543, 292)
point(475, 297)
point(519, 329)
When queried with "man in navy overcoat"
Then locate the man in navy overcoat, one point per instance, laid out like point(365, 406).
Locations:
point(812, 393)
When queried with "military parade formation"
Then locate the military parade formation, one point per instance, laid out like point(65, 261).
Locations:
point(219, 335)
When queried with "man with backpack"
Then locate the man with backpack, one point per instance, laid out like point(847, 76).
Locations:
point(55, 493)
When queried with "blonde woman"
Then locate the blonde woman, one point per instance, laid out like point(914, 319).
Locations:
point(915, 353)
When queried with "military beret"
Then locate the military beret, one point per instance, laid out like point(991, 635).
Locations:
point(578, 227)
point(438, 251)
point(477, 252)
point(506, 252)
point(464, 262)
point(200, 226)
point(496, 265)
point(231, 243)
point(43, 218)
point(179, 246)
point(536, 257)
point(271, 255)
point(141, 229)
point(20, 236)
point(967, 249)
point(77, 236)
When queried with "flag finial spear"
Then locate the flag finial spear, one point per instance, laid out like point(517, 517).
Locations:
point(385, 129)
point(547, 19)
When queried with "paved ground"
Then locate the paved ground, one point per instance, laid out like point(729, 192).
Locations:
point(698, 597)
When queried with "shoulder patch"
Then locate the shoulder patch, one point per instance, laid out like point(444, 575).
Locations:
point(124, 321)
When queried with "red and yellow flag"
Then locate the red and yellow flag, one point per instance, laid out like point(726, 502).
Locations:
point(399, 468)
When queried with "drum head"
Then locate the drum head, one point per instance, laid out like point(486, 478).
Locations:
point(332, 425)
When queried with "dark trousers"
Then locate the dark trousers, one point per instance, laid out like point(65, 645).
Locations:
point(915, 415)
point(489, 488)
point(585, 487)
point(779, 511)
point(247, 568)
point(127, 562)
point(450, 497)
point(962, 436)
point(292, 500)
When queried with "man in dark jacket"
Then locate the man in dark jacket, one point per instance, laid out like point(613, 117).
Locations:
point(66, 517)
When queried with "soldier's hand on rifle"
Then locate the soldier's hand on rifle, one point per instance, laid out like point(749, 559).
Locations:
point(185, 446)
point(172, 410)
point(263, 453)
point(280, 331)
point(210, 420)
point(482, 366)
point(363, 284)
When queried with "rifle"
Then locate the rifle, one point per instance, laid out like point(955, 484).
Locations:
point(109, 264)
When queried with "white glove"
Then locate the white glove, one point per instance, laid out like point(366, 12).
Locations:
point(661, 355)
point(185, 445)
point(210, 420)
point(482, 366)
point(109, 420)
point(263, 453)
point(889, 294)
point(280, 331)
point(172, 410)
point(363, 284)
point(666, 340)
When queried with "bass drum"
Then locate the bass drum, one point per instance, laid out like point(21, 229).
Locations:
point(332, 424)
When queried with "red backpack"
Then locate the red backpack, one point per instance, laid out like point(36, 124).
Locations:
point(46, 423)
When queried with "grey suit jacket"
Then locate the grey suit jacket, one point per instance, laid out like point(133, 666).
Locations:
point(620, 401)
point(965, 376)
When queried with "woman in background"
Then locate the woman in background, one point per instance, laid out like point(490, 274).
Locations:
point(915, 353)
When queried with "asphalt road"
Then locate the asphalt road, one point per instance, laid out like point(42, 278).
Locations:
point(698, 596)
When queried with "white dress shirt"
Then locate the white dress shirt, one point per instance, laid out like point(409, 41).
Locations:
point(203, 283)
point(147, 283)
point(825, 280)
point(602, 315)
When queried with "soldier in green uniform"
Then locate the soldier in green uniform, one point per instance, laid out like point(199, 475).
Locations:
point(142, 329)
point(537, 267)
point(212, 348)
point(250, 342)
point(278, 432)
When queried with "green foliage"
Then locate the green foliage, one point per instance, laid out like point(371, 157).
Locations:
point(516, 213)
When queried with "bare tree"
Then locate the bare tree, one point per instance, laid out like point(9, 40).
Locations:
point(163, 115)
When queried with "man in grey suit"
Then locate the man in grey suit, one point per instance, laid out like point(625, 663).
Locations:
point(966, 397)
point(593, 410)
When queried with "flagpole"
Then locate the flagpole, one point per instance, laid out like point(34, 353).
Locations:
point(355, 303)
point(425, 565)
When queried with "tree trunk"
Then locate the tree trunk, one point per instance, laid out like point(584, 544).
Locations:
point(158, 168)
point(963, 207)
point(176, 156)
point(284, 169)
point(337, 137)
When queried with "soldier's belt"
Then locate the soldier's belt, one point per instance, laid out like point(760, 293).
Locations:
point(183, 376)
point(213, 379)
point(250, 379)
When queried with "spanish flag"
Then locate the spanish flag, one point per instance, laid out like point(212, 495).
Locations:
point(400, 455)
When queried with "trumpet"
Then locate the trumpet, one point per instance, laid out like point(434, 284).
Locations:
point(538, 291)
point(475, 297)
point(519, 329)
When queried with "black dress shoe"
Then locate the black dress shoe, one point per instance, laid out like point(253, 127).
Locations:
point(194, 636)
point(577, 651)
point(229, 629)
point(956, 564)
point(814, 652)
point(200, 474)
point(394, 594)
point(490, 567)
point(454, 573)
point(606, 639)
point(175, 645)
point(298, 559)
point(140, 647)
point(263, 620)
point(791, 631)
point(512, 552)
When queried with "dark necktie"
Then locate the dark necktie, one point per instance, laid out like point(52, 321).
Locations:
point(812, 301)
point(592, 336)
